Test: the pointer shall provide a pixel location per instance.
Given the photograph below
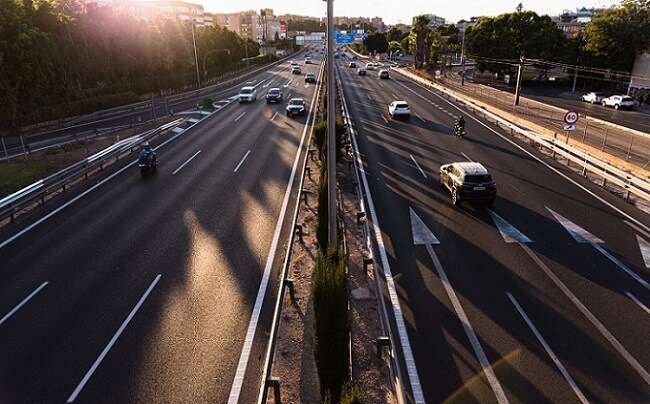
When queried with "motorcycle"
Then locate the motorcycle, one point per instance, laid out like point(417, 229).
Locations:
point(147, 162)
point(459, 131)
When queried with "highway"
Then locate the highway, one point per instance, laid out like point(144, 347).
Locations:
point(158, 289)
point(542, 298)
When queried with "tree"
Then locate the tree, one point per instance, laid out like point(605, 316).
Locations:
point(418, 40)
point(619, 34)
point(395, 34)
point(497, 43)
point(376, 42)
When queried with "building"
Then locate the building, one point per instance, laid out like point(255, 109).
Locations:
point(571, 22)
point(378, 23)
point(640, 73)
point(435, 21)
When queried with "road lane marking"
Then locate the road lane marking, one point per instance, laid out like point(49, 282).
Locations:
point(637, 301)
point(384, 118)
point(274, 115)
point(238, 381)
point(369, 97)
point(185, 163)
point(394, 96)
point(421, 233)
point(242, 160)
point(112, 341)
point(467, 157)
point(549, 351)
point(469, 331)
point(509, 232)
point(637, 228)
point(592, 319)
point(239, 117)
point(418, 166)
point(644, 247)
point(21, 304)
point(418, 115)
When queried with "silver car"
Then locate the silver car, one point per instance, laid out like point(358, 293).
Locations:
point(593, 97)
point(618, 101)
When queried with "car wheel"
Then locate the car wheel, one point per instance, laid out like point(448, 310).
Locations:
point(616, 107)
point(604, 105)
point(454, 196)
point(288, 114)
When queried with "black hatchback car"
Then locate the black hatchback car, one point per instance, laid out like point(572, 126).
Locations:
point(468, 181)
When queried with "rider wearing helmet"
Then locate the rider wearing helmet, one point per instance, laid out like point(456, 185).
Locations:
point(460, 122)
point(147, 155)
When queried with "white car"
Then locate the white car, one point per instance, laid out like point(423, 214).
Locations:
point(307, 60)
point(618, 101)
point(296, 106)
point(398, 109)
point(370, 66)
point(247, 94)
point(593, 97)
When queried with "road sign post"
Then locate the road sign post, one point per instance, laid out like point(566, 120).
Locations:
point(570, 118)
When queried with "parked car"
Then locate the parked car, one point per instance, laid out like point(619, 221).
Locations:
point(352, 65)
point(383, 74)
point(361, 71)
point(468, 181)
point(399, 109)
point(618, 101)
point(296, 106)
point(247, 94)
point(274, 95)
point(296, 70)
point(593, 97)
point(310, 78)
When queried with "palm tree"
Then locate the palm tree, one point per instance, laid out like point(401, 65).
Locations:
point(417, 39)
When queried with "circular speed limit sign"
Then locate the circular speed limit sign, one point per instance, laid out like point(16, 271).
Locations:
point(571, 117)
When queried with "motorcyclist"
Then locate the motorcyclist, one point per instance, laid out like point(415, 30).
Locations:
point(147, 155)
point(460, 123)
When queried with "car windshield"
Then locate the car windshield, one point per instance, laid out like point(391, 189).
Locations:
point(274, 91)
point(296, 102)
point(478, 178)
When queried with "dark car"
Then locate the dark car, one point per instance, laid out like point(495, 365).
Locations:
point(296, 106)
point(274, 95)
point(310, 78)
point(468, 181)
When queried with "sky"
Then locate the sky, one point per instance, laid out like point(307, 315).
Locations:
point(395, 11)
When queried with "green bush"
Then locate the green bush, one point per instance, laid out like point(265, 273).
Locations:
point(320, 136)
point(321, 224)
point(331, 323)
point(351, 395)
point(208, 103)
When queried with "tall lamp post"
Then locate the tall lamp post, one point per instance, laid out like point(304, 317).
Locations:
point(196, 57)
point(205, 71)
point(331, 142)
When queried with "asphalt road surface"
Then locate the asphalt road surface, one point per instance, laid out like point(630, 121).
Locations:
point(542, 298)
point(158, 289)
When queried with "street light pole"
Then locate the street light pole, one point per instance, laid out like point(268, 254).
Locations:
point(331, 141)
point(196, 57)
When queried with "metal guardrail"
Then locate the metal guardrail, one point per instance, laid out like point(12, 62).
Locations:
point(12, 204)
point(589, 163)
point(394, 368)
point(267, 380)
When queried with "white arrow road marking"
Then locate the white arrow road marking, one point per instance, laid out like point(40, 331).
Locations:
point(637, 301)
point(578, 233)
point(288, 84)
point(583, 236)
point(589, 315)
point(644, 246)
point(421, 233)
point(509, 232)
point(549, 351)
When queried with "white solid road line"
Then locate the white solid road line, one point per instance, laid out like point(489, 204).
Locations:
point(112, 341)
point(418, 115)
point(187, 161)
point(471, 335)
point(418, 166)
point(637, 301)
point(25, 300)
point(239, 117)
point(589, 315)
point(549, 351)
point(242, 160)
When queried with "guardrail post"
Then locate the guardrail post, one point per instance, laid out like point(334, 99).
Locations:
point(381, 343)
point(308, 172)
point(366, 263)
point(289, 283)
point(298, 228)
point(305, 194)
point(274, 383)
point(360, 217)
